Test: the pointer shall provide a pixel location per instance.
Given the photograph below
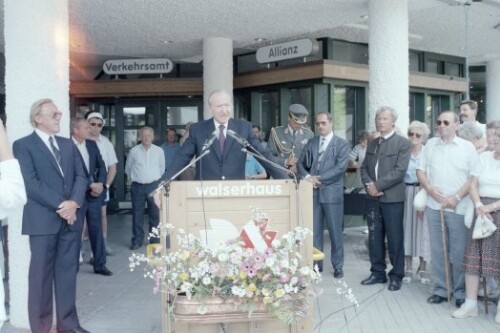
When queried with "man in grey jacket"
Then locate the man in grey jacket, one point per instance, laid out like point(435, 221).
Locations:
point(382, 173)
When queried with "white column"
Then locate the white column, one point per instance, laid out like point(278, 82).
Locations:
point(217, 68)
point(37, 66)
point(388, 52)
point(493, 90)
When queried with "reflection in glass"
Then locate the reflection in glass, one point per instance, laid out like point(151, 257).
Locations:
point(134, 116)
point(180, 115)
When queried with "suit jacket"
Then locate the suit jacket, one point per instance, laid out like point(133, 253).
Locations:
point(220, 165)
point(393, 156)
point(46, 187)
point(288, 141)
point(97, 169)
point(331, 170)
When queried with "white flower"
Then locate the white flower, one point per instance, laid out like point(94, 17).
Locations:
point(222, 257)
point(207, 280)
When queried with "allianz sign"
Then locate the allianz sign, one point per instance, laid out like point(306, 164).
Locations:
point(295, 49)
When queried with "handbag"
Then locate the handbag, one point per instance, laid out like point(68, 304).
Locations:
point(420, 200)
point(483, 228)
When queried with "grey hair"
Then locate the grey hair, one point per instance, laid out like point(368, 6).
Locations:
point(495, 124)
point(146, 128)
point(219, 92)
point(420, 126)
point(393, 112)
point(470, 131)
point(37, 107)
point(76, 121)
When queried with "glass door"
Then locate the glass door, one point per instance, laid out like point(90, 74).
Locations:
point(134, 115)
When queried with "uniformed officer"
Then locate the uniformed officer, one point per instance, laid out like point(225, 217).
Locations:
point(287, 142)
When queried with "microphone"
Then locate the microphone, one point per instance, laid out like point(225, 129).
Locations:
point(209, 142)
point(238, 138)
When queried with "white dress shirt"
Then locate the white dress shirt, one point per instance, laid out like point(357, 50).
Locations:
point(487, 172)
point(145, 166)
point(107, 151)
point(45, 138)
point(82, 147)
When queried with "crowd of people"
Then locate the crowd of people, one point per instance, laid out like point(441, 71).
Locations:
point(66, 186)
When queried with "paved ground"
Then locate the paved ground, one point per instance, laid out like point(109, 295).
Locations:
point(125, 302)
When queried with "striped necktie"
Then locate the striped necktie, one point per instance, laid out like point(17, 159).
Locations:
point(222, 138)
point(55, 151)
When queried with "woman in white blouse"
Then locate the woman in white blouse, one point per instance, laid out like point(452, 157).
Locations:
point(481, 255)
point(12, 192)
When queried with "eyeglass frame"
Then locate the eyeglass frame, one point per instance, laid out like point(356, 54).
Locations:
point(417, 135)
point(100, 125)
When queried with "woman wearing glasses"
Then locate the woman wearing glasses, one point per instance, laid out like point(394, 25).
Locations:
point(416, 236)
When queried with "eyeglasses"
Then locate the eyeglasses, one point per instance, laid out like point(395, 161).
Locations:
point(95, 124)
point(444, 122)
point(417, 135)
point(54, 115)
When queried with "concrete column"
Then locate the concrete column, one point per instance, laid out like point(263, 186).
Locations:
point(37, 58)
point(217, 68)
point(493, 90)
point(388, 52)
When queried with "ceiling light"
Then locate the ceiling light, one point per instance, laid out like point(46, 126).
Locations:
point(364, 17)
point(166, 41)
point(260, 40)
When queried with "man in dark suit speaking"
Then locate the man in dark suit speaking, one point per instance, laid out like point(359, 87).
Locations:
point(55, 186)
point(226, 160)
point(383, 171)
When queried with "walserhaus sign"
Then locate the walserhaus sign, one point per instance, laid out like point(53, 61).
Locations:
point(138, 66)
point(295, 49)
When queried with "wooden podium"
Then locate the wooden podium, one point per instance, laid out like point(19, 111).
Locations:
point(193, 205)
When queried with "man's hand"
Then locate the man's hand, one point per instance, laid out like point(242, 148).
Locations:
point(372, 190)
point(67, 209)
point(71, 220)
point(315, 181)
point(96, 189)
point(449, 202)
point(436, 195)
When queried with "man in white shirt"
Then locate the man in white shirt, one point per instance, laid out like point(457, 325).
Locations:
point(445, 172)
point(97, 122)
point(145, 166)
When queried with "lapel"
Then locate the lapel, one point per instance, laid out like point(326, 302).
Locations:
point(87, 172)
point(229, 140)
point(42, 147)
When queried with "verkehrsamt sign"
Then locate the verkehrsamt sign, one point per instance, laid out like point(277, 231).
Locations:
point(295, 49)
point(138, 66)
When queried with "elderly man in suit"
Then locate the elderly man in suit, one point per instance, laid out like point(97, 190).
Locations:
point(287, 142)
point(323, 162)
point(226, 160)
point(382, 173)
point(95, 171)
point(55, 185)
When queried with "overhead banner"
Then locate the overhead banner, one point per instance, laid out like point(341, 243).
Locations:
point(138, 66)
point(295, 49)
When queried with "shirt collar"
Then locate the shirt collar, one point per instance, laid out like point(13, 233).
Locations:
point(388, 135)
point(216, 124)
point(76, 141)
point(328, 137)
point(44, 136)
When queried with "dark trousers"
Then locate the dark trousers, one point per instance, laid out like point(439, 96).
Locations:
point(385, 219)
point(140, 196)
point(332, 214)
point(92, 212)
point(53, 268)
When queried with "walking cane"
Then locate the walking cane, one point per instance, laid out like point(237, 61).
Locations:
point(445, 254)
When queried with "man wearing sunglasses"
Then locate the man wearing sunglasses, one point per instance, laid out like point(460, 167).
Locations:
point(96, 122)
point(444, 172)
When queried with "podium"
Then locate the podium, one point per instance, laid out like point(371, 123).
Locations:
point(194, 205)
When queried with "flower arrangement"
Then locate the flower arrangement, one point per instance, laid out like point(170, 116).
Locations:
point(247, 275)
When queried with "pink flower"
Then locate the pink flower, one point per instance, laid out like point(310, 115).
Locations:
point(266, 277)
point(285, 278)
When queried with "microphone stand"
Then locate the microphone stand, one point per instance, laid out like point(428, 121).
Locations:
point(166, 183)
point(274, 164)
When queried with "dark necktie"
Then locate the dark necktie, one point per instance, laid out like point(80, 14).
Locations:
point(222, 138)
point(55, 151)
